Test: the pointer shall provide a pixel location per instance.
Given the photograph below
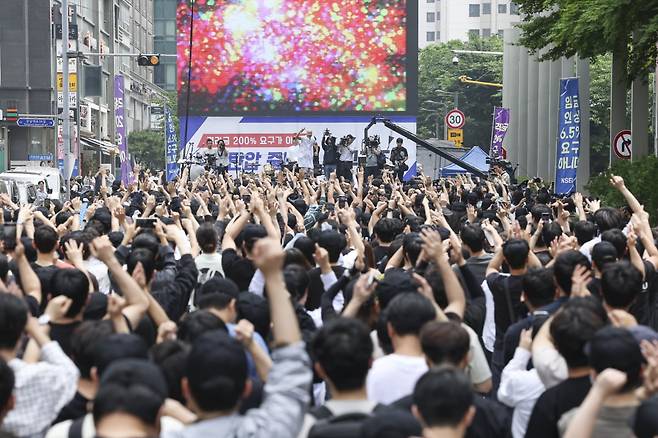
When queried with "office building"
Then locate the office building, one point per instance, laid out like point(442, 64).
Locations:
point(446, 20)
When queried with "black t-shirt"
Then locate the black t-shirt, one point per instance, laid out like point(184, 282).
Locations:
point(75, 409)
point(238, 269)
point(506, 310)
point(379, 252)
point(62, 334)
point(554, 403)
point(644, 307)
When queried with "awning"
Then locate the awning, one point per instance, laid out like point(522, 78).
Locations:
point(105, 147)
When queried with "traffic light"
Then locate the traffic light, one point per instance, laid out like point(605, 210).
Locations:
point(11, 114)
point(148, 60)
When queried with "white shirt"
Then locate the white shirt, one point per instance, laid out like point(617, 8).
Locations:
point(305, 153)
point(489, 329)
point(477, 370)
point(519, 389)
point(551, 366)
point(41, 389)
point(99, 270)
point(346, 153)
point(393, 377)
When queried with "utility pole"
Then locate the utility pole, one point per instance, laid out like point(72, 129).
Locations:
point(66, 125)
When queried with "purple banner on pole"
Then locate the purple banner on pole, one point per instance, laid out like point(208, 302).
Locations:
point(120, 123)
point(500, 126)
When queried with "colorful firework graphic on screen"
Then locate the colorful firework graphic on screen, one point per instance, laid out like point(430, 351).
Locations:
point(269, 56)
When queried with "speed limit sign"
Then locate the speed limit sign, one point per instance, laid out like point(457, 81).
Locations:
point(455, 119)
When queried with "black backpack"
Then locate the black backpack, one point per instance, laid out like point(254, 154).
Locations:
point(328, 425)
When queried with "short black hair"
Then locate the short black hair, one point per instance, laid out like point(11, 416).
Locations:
point(538, 210)
point(118, 346)
point(386, 229)
point(564, 265)
point(216, 369)
point(194, 324)
point(74, 284)
point(473, 237)
point(408, 312)
point(297, 281)
point(584, 231)
point(334, 242)
point(538, 287)
point(84, 344)
point(615, 347)
point(550, 232)
point(171, 357)
point(13, 318)
point(607, 218)
point(344, 349)
point(144, 256)
point(206, 236)
point(445, 342)
point(620, 284)
point(617, 238)
point(45, 239)
point(412, 245)
point(573, 327)
point(6, 384)
point(132, 386)
point(516, 252)
point(443, 397)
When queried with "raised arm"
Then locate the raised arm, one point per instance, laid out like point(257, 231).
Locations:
point(269, 257)
point(136, 302)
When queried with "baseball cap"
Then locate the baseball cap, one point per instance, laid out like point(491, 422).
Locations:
point(603, 253)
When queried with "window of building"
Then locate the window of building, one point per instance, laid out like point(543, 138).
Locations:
point(513, 8)
point(486, 33)
point(430, 1)
point(431, 17)
point(473, 33)
point(473, 10)
point(502, 8)
point(501, 33)
point(431, 36)
point(486, 8)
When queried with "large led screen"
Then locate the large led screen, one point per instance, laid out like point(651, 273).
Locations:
point(297, 56)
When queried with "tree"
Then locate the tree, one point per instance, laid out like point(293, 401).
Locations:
point(148, 148)
point(437, 72)
point(591, 28)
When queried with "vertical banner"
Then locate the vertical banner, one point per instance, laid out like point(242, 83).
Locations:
point(500, 126)
point(120, 123)
point(568, 141)
point(171, 145)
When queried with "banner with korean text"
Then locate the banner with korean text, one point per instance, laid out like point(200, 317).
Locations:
point(171, 145)
point(500, 126)
point(568, 141)
point(120, 123)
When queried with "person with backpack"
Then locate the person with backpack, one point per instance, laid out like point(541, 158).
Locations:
point(342, 351)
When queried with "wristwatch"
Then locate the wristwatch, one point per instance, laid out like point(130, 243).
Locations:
point(44, 319)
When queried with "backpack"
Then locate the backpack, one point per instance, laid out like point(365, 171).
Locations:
point(205, 274)
point(328, 425)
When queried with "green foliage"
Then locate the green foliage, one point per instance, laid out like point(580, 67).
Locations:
point(600, 75)
point(591, 28)
point(640, 178)
point(148, 148)
point(436, 71)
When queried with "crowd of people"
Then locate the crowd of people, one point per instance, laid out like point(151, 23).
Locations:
point(290, 304)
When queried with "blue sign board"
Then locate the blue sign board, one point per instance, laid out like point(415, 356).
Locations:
point(27, 122)
point(568, 141)
point(40, 157)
